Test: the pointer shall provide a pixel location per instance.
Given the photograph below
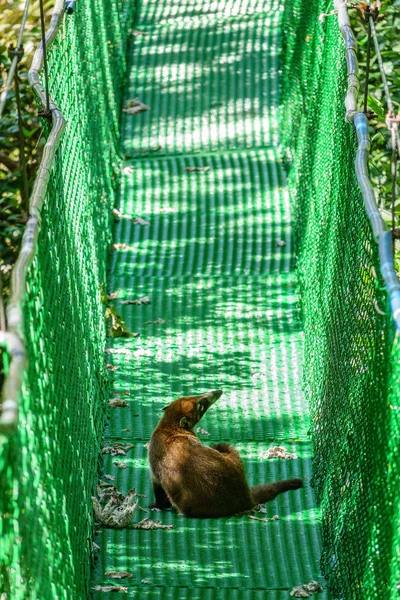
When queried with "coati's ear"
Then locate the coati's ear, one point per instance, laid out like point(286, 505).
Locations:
point(183, 422)
point(165, 407)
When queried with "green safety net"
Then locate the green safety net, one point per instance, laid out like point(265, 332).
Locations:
point(48, 469)
point(240, 94)
point(351, 371)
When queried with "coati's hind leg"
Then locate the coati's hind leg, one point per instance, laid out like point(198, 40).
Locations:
point(162, 501)
point(269, 491)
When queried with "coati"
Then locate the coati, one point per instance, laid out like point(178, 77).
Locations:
point(201, 481)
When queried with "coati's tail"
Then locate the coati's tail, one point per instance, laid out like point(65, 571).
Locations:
point(268, 491)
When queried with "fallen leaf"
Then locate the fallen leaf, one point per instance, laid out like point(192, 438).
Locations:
point(140, 221)
point(110, 588)
point(109, 477)
point(117, 449)
point(306, 590)
point(128, 170)
point(121, 246)
point(117, 326)
point(118, 402)
point(135, 106)
point(145, 581)
point(156, 322)
point(281, 243)
point(112, 367)
point(118, 574)
point(148, 524)
point(118, 512)
point(279, 452)
point(202, 431)
point(191, 169)
point(144, 300)
point(113, 295)
point(120, 465)
point(138, 32)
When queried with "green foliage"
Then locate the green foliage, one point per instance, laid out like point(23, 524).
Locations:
point(388, 32)
point(13, 204)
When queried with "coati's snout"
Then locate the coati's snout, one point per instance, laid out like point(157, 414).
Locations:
point(188, 411)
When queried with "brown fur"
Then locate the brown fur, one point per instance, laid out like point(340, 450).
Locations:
point(201, 481)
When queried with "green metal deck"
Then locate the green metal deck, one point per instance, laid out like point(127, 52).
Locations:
point(217, 262)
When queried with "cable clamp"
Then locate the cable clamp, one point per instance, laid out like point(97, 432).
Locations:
point(12, 52)
point(45, 114)
point(391, 119)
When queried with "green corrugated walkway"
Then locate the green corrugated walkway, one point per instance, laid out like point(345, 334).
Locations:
point(217, 263)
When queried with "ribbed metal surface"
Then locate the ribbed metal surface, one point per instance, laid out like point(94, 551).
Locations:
point(210, 83)
point(216, 261)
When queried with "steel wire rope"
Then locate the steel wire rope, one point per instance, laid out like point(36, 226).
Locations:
point(46, 75)
point(15, 60)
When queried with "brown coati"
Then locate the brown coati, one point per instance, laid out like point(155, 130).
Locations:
point(201, 481)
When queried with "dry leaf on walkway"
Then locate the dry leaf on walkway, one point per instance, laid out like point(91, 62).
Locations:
point(113, 295)
point(306, 590)
point(110, 477)
point(118, 402)
point(192, 169)
point(138, 32)
point(202, 431)
point(118, 512)
point(140, 221)
point(279, 452)
point(135, 106)
point(110, 588)
point(148, 524)
point(281, 243)
point(118, 574)
point(143, 300)
point(120, 465)
point(156, 322)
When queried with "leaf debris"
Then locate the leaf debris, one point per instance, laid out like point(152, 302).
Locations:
point(306, 590)
point(135, 106)
point(279, 452)
point(146, 523)
point(143, 300)
point(120, 465)
point(140, 221)
point(192, 169)
point(202, 431)
point(118, 402)
point(119, 574)
point(156, 322)
point(119, 510)
point(110, 588)
point(117, 449)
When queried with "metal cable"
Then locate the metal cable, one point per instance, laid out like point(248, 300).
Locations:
point(46, 77)
point(14, 62)
point(367, 12)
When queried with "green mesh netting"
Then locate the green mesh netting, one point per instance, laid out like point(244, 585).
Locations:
point(351, 377)
point(48, 469)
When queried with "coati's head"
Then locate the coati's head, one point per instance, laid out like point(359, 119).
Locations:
point(188, 411)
